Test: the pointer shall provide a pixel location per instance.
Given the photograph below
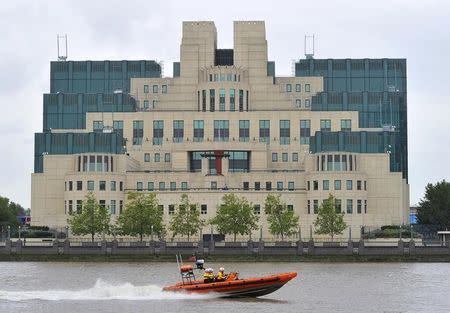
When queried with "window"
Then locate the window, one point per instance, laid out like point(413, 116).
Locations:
point(285, 132)
point(268, 185)
point(178, 130)
point(264, 131)
point(308, 185)
point(171, 209)
point(139, 186)
point(337, 184)
point(155, 88)
point(146, 157)
point(338, 205)
point(102, 185)
point(349, 184)
point(184, 185)
point(349, 206)
point(284, 157)
point(70, 206)
point(173, 186)
point(346, 125)
point(257, 209)
point(113, 185)
point(90, 185)
point(232, 100)
point(222, 99)
point(138, 132)
point(291, 186)
point(365, 185)
point(146, 104)
point(244, 130)
point(365, 206)
point(288, 87)
point(150, 186)
point(121, 186)
point(198, 130)
point(298, 87)
point(307, 88)
point(257, 185)
point(307, 103)
point(79, 206)
point(308, 206)
point(298, 103)
point(145, 88)
point(241, 100)
point(290, 207)
point(154, 103)
point(164, 88)
point(221, 130)
point(213, 185)
point(359, 206)
point(358, 185)
point(212, 100)
point(245, 185)
point(162, 186)
point(316, 185)
point(112, 207)
point(158, 132)
point(274, 157)
point(203, 209)
point(161, 208)
point(326, 184)
point(294, 157)
point(279, 185)
point(337, 162)
point(204, 100)
point(329, 162)
point(70, 185)
point(120, 206)
point(166, 157)
point(79, 185)
point(157, 157)
point(97, 126)
point(325, 125)
point(316, 206)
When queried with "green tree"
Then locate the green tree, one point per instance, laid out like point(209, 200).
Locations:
point(329, 221)
point(186, 220)
point(8, 212)
point(235, 216)
point(434, 208)
point(282, 221)
point(142, 216)
point(93, 219)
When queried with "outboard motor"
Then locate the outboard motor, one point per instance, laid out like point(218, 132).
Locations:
point(199, 264)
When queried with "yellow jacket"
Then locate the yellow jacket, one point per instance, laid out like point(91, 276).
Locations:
point(208, 275)
point(220, 275)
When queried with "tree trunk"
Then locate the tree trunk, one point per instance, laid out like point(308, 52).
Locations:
point(188, 237)
point(234, 237)
point(282, 237)
point(140, 235)
point(92, 237)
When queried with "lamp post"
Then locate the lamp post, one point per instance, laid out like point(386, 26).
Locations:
point(9, 232)
point(67, 232)
point(151, 232)
point(19, 230)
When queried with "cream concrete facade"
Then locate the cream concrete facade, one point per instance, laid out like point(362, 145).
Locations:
point(163, 162)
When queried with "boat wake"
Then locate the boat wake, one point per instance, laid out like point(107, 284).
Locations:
point(101, 291)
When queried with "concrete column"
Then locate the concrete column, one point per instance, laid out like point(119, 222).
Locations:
point(114, 245)
point(104, 245)
point(412, 247)
point(261, 247)
point(8, 245)
point(151, 246)
point(311, 247)
point(19, 246)
point(205, 166)
point(350, 246)
point(56, 246)
point(225, 166)
point(400, 246)
point(250, 247)
point(299, 247)
point(66, 246)
point(361, 247)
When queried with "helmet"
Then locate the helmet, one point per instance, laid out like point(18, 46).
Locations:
point(221, 269)
point(209, 270)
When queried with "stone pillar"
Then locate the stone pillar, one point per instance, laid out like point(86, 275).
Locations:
point(162, 247)
point(361, 247)
point(200, 247)
point(261, 247)
point(299, 247)
point(114, 246)
point(225, 165)
point(311, 247)
point(66, 246)
point(19, 246)
point(8, 245)
point(350, 247)
point(412, 247)
point(250, 247)
point(400, 247)
point(56, 246)
point(151, 247)
point(205, 166)
point(104, 245)
point(211, 246)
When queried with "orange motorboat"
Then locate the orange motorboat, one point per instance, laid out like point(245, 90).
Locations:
point(232, 285)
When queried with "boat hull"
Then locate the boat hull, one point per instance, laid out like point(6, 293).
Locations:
point(252, 287)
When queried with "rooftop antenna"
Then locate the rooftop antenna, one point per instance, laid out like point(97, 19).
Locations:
point(63, 39)
point(309, 46)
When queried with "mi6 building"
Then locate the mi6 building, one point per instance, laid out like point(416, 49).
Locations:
point(226, 123)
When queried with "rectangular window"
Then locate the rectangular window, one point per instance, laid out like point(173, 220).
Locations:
point(164, 88)
point(146, 104)
point(349, 206)
point(307, 88)
point(365, 206)
point(346, 125)
point(79, 206)
point(157, 157)
point(154, 103)
point(212, 100)
point(155, 88)
point(222, 99)
point(305, 131)
point(70, 206)
point(113, 185)
point(291, 186)
point(359, 206)
point(298, 87)
point(146, 157)
point(98, 126)
point(365, 185)
point(138, 132)
point(158, 132)
point(112, 207)
point(268, 185)
point(325, 125)
point(329, 162)
point(284, 157)
point(308, 185)
point(338, 205)
point(70, 185)
point(171, 209)
point(326, 184)
point(337, 184)
point(173, 186)
point(102, 185)
point(178, 130)
point(203, 209)
point(294, 157)
point(298, 103)
point(213, 185)
point(232, 100)
point(204, 100)
point(307, 103)
point(279, 185)
point(90, 185)
point(358, 185)
point(145, 88)
point(221, 130)
point(316, 185)
point(349, 184)
point(139, 186)
point(120, 206)
point(184, 185)
point(264, 131)
point(290, 207)
point(308, 206)
point(316, 206)
point(344, 162)
point(99, 164)
point(161, 208)
point(199, 130)
point(288, 87)
point(166, 157)
point(246, 185)
point(285, 132)
point(79, 185)
point(257, 185)
point(274, 157)
point(257, 209)
point(162, 186)
point(244, 130)
point(241, 100)
point(121, 186)
point(92, 163)
point(150, 186)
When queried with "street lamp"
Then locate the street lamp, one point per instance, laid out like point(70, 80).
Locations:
point(67, 232)
point(9, 232)
point(151, 232)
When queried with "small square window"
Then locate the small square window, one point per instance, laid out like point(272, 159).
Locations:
point(316, 185)
point(213, 185)
point(288, 87)
point(162, 186)
point(268, 185)
point(337, 184)
point(257, 209)
point(274, 157)
point(290, 207)
point(279, 185)
point(167, 157)
point(146, 157)
point(298, 87)
point(90, 185)
point(150, 186)
point(349, 184)
point(245, 185)
point(291, 186)
point(184, 185)
point(284, 157)
point(358, 185)
point(203, 209)
point(173, 186)
point(171, 209)
point(79, 185)
point(139, 186)
point(102, 185)
point(155, 88)
point(307, 88)
point(145, 88)
point(164, 88)
point(157, 157)
point(113, 185)
point(326, 184)
point(257, 185)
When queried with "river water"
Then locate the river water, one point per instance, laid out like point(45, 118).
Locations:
point(136, 287)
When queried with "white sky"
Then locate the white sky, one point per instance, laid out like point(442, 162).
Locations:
point(117, 30)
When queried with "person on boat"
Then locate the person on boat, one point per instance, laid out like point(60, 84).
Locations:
point(220, 275)
point(208, 276)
